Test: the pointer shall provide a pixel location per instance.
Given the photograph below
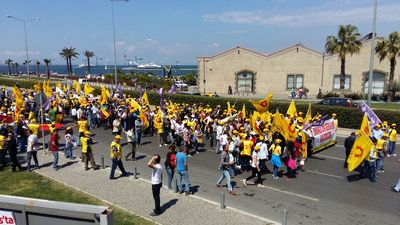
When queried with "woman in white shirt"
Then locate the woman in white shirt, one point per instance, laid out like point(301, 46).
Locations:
point(32, 149)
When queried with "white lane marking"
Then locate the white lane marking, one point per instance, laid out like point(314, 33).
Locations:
point(331, 157)
point(292, 193)
point(324, 174)
point(342, 146)
point(227, 207)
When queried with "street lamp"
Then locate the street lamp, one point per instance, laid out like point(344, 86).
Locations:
point(371, 62)
point(26, 40)
point(115, 50)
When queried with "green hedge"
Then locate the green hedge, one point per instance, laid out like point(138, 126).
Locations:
point(348, 117)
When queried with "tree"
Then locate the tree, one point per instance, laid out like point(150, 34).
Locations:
point(13, 68)
point(88, 55)
point(47, 62)
point(37, 68)
point(26, 62)
point(17, 68)
point(68, 54)
point(389, 48)
point(8, 62)
point(347, 41)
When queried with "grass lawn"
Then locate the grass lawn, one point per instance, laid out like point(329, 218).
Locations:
point(33, 185)
point(395, 106)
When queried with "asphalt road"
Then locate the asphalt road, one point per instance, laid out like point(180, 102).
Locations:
point(324, 193)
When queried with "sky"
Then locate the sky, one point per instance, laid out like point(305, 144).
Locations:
point(178, 31)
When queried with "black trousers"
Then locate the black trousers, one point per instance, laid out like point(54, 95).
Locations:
point(3, 157)
point(255, 173)
point(14, 162)
point(156, 195)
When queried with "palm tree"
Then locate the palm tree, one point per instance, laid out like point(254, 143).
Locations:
point(47, 62)
point(68, 54)
point(17, 67)
point(27, 62)
point(88, 55)
point(37, 68)
point(389, 48)
point(347, 41)
point(8, 62)
point(13, 68)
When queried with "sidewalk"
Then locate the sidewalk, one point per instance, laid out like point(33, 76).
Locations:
point(135, 196)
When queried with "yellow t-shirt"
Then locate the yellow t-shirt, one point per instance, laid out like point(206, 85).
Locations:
point(379, 145)
point(84, 143)
point(2, 142)
point(247, 144)
point(82, 125)
point(277, 150)
point(34, 128)
point(118, 153)
point(393, 135)
point(31, 115)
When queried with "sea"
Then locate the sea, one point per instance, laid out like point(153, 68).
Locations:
point(176, 70)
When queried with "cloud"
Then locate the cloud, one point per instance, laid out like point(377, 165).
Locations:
point(308, 17)
point(21, 53)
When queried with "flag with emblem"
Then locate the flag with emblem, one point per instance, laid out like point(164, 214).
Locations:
point(361, 148)
point(292, 112)
point(365, 126)
point(145, 99)
point(262, 105)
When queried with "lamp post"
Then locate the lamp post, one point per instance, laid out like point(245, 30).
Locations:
point(26, 40)
point(115, 50)
point(371, 62)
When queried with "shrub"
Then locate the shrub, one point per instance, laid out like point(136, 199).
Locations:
point(348, 117)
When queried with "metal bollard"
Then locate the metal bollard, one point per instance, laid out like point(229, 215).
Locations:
point(284, 219)
point(222, 200)
point(135, 173)
point(102, 162)
point(176, 185)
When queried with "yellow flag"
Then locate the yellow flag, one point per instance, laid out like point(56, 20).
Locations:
point(265, 117)
point(281, 126)
point(303, 145)
point(19, 102)
point(78, 88)
point(104, 95)
point(145, 99)
point(105, 113)
point(229, 111)
point(58, 85)
point(74, 84)
point(145, 121)
point(365, 126)
point(262, 105)
point(244, 112)
point(361, 149)
point(308, 118)
point(87, 89)
point(37, 87)
point(47, 89)
point(134, 105)
point(292, 109)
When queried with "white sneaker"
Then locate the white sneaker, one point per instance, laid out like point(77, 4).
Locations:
point(260, 185)
point(160, 146)
point(244, 182)
point(394, 155)
point(389, 155)
point(165, 144)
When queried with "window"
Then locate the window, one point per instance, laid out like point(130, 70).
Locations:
point(336, 82)
point(245, 82)
point(295, 81)
point(378, 83)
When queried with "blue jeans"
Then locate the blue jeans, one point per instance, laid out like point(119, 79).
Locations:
point(138, 136)
point(275, 171)
point(391, 147)
point(225, 174)
point(372, 171)
point(117, 162)
point(379, 164)
point(185, 176)
point(68, 151)
point(29, 158)
point(22, 144)
point(170, 173)
point(55, 162)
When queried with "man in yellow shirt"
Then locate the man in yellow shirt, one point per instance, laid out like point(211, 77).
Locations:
point(392, 140)
point(34, 127)
point(3, 151)
point(82, 124)
point(116, 155)
point(86, 142)
point(245, 154)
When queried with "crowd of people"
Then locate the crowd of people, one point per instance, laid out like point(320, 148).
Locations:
point(246, 143)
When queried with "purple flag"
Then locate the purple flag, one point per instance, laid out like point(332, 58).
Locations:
point(120, 92)
point(320, 122)
point(173, 89)
point(140, 92)
point(160, 92)
point(47, 104)
point(372, 117)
